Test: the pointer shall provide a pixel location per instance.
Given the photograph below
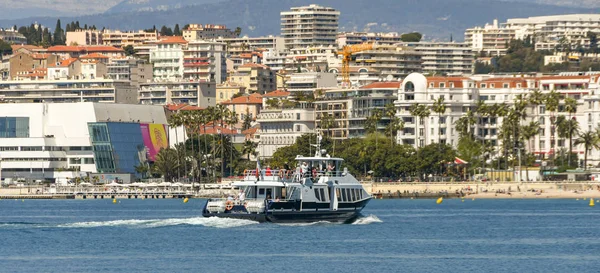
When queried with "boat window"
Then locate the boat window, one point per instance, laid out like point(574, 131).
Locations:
point(323, 196)
point(261, 191)
point(344, 195)
point(358, 194)
point(348, 195)
point(317, 194)
point(339, 194)
point(353, 194)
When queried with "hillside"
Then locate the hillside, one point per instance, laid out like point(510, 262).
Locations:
point(437, 19)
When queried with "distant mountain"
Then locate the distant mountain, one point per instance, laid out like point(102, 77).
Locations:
point(437, 19)
point(156, 5)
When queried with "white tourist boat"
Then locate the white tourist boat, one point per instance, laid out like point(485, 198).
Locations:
point(314, 191)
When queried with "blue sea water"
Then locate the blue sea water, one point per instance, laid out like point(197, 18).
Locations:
point(391, 236)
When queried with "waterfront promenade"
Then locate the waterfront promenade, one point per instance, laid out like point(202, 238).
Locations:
point(561, 189)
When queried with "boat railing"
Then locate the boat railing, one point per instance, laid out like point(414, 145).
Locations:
point(288, 175)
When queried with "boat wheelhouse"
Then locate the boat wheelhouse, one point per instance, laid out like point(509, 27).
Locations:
point(315, 190)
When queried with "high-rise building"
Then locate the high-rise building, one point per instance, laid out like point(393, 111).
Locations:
point(308, 26)
point(490, 39)
point(444, 58)
point(205, 61)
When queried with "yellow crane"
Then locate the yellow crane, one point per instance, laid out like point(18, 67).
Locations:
point(346, 53)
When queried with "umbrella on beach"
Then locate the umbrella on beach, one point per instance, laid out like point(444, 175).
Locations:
point(113, 184)
point(85, 184)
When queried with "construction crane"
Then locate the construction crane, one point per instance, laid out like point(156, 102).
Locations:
point(346, 53)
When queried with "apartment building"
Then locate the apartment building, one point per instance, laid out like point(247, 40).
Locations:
point(167, 58)
point(461, 94)
point(201, 94)
point(549, 30)
point(490, 39)
point(205, 61)
point(196, 32)
point(84, 37)
point(390, 60)
point(281, 126)
point(443, 58)
point(227, 90)
point(257, 78)
point(309, 26)
point(245, 105)
point(68, 90)
point(350, 108)
point(59, 142)
point(12, 36)
point(239, 45)
point(129, 69)
point(353, 38)
point(122, 39)
point(66, 52)
point(309, 82)
point(23, 62)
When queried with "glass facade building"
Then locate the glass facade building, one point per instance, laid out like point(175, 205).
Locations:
point(117, 146)
point(14, 127)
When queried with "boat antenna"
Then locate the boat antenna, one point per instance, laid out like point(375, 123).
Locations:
point(318, 150)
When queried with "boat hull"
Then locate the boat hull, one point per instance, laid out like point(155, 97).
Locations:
point(345, 214)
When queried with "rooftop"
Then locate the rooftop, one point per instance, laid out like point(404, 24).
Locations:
point(253, 98)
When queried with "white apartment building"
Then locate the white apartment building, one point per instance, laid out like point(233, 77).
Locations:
point(68, 90)
point(444, 58)
point(12, 36)
point(129, 69)
point(462, 94)
point(353, 38)
point(308, 82)
point(202, 94)
point(195, 32)
point(489, 39)
point(167, 58)
point(122, 39)
point(392, 61)
point(205, 61)
point(84, 37)
point(548, 30)
point(275, 59)
point(57, 142)
point(280, 127)
point(308, 26)
point(351, 107)
point(239, 45)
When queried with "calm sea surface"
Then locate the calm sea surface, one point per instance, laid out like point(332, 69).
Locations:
point(392, 236)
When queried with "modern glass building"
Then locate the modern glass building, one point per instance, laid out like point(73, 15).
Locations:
point(13, 127)
point(117, 146)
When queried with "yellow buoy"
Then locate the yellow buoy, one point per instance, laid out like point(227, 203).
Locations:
point(592, 202)
point(114, 201)
point(439, 200)
point(185, 200)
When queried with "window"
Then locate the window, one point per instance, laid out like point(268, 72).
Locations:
point(542, 132)
point(298, 128)
point(344, 195)
point(430, 85)
point(542, 144)
point(518, 85)
point(505, 85)
point(14, 127)
point(297, 116)
point(492, 85)
point(338, 194)
point(323, 195)
point(317, 194)
point(483, 85)
point(442, 120)
point(542, 121)
point(451, 85)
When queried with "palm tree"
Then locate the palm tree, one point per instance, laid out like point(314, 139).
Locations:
point(440, 108)
point(175, 120)
point(419, 111)
point(372, 123)
point(464, 125)
point(166, 163)
point(249, 148)
point(571, 108)
point(536, 98)
point(552, 100)
point(590, 141)
point(395, 125)
point(327, 123)
point(528, 132)
point(231, 120)
point(566, 129)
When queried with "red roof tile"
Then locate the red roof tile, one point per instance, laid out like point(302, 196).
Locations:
point(62, 48)
point(381, 85)
point(277, 93)
point(183, 107)
point(172, 40)
point(254, 98)
point(94, 56)
point(255, 65)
